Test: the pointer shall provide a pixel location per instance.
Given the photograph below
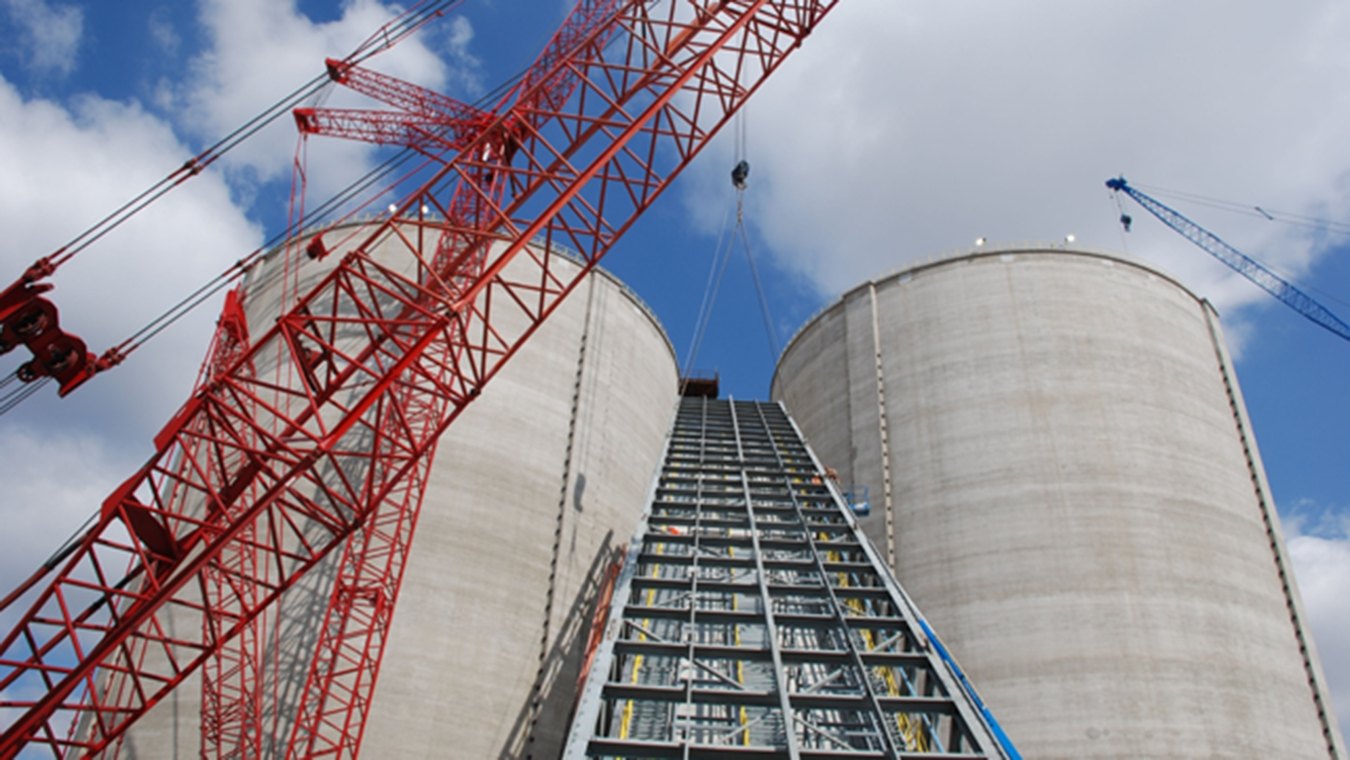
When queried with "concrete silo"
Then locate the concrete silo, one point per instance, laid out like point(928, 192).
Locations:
point(533, 490)
point(1064, 477)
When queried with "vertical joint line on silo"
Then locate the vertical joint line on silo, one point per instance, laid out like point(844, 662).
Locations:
point(547, 630)
point(881, 429)
point(1272, 532)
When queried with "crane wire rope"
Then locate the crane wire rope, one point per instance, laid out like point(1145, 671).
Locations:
point(17, 396)
point(769, 330)
point(1248, 209)
point(742, 131)
point(722, 257)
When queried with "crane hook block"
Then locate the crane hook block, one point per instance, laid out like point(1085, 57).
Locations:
point(740, 174)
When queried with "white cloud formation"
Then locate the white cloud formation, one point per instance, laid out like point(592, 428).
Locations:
point(261, 50)
point(1320, 551)
point(48, 34)
point(901, 131)
point(163, 33)
point(44, 501)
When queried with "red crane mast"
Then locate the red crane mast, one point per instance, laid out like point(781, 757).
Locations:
point(381, 362)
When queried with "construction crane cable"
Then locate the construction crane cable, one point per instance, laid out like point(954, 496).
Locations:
point(721, 257)
point(739, 176)
point(15, 397)
point(241, 267)
point(759, 290)
point(190, 168)
point(1248, 209)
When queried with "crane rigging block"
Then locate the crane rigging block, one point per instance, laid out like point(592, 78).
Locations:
point(28, 319)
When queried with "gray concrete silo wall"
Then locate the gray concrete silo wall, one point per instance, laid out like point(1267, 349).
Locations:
point(1064, 478)
point(534, 488)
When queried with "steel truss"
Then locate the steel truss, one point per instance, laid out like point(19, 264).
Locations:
point(369, 368)
point(753, 619)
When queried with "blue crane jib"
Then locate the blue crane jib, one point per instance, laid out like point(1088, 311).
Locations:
point(1236, 260)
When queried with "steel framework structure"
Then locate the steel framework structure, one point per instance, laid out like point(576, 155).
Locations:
point(371, 366)
point(754, 620)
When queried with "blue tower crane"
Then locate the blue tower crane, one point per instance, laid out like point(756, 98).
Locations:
point(1236, 260)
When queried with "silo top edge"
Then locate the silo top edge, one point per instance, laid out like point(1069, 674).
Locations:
point(943, 261)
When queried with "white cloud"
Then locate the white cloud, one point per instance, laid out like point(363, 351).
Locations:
point(163, 33)
point(1320, 551)
point(49, 34)
point(902, 131)
point(261, 50)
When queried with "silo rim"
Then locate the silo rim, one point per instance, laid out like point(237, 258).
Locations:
point(972, 256)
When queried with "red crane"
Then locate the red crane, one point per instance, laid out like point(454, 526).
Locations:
point(254, 482)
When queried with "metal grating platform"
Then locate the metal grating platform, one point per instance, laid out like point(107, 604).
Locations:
point(753, 620)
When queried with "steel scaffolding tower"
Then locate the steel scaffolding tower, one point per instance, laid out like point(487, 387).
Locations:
point(752, 619)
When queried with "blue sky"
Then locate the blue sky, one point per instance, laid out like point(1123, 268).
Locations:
point(902, 131)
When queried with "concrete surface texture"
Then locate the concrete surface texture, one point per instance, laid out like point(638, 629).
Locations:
point(1063, 476)
point(534, 488)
